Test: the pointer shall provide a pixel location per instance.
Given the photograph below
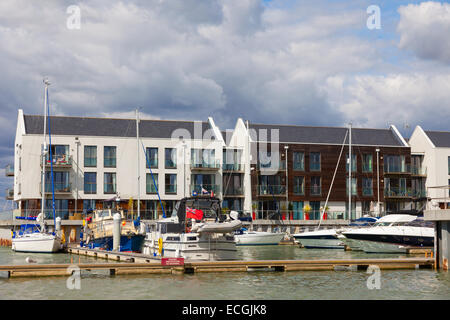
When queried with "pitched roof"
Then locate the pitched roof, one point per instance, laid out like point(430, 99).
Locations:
point(74, 126)
point(440, 139)
point(327, 135)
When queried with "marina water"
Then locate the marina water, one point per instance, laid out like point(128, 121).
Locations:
point(254, 285)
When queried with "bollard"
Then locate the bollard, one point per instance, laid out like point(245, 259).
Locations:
point(116, 232)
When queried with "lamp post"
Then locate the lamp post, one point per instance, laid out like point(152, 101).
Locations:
point(287, 184)
point(77, 142)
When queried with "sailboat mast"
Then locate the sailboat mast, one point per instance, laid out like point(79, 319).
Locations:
point(350, 171)
point(138, 166)
point(44, 148)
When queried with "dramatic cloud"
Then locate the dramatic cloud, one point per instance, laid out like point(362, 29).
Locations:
point(425, 30)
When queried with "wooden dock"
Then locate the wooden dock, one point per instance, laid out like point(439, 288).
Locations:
point(142, 264)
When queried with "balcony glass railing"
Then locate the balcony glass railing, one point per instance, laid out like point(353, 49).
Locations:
point(213, 164)
point(233, 191)
point(271, 189)
point(280, 165)
point(9, 170)
point(418, 193)
point(204, 188)
point(397, 192)
point(419, 171)
point(397, 168)
point(232, 167)
point(58, 160)
point(63, 187)
point(367, 191)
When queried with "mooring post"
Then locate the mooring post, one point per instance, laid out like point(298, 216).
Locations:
point(442, 236)
point(58, 226)
point(116, 232)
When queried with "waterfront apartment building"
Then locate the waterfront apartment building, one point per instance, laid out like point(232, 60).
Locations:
point(430, 156)
point(268, 171)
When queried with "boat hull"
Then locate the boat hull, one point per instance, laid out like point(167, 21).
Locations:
point(127, 243)
point(322, 239)
point(191, 246)
point(258, 238)
point(37, 243)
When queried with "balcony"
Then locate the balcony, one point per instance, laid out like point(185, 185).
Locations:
point(206, 166)
point(280, 166)
point(233, 191)
point(271, 190)
point(59, 161)
point(9, 170)
point(236, 167)
point(395, 192)
point(419, 171)
point(397, 169)
point(419, 194)
point(367, 191)
point(203, 188)
point(10, 194)
point(59, 188)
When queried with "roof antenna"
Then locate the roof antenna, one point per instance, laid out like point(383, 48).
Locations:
point(405, 125)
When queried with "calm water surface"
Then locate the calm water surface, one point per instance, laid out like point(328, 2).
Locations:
point(401, 284)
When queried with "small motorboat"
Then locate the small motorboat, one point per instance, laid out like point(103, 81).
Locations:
point(319, 239)
point(245, 237)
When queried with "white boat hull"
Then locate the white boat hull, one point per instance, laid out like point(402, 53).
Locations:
point(36, 242)
point(258, 238)
point(191, 246)
point(321, 239)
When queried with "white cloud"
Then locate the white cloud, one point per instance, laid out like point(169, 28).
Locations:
point(424, 29)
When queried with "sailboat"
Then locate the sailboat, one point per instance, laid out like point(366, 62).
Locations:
point(26, 240)
point(329, 239)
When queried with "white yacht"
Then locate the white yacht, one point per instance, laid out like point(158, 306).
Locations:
point(257, 238)
point(37, 242)
point(319, 239)
point(209, 238)
point(393, 233)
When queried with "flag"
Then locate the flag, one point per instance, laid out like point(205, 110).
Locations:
point(204, 191)
point(194, 214)
point(212, 193)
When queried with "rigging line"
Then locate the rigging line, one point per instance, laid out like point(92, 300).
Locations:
point(51, 162)
point(153, 178)
point(331, 185)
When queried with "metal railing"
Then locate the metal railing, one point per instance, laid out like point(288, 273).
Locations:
point(9, 194)
point(9, 170)
point(198, 188)
point(59, 160)
point(267, 190)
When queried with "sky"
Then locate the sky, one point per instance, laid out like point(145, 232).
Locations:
point(266, 61)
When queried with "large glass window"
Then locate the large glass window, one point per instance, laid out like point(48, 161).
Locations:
point(89, 204)
point(171, 183)
point(151, 157)
point(299, 185)
point(90, 156)
point(316, 186)
point(298, 210)
point(60, 154)
point(150, 185)
point(90, 182)
point(298, 161)
point(314, 161)
point(170, 158)
point(60, 181)
point(367, 187)
point(202, 183)
point(394, 163)
point(367, 165)
point(110, 157)
point(109, 183)
point(61, 208)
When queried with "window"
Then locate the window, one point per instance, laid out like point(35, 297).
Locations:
point(90, 182)
point(202, 182)
point(299, 185)
point(110, 157)
point(90, 156)
point(394, 163)
point(61, 208)
point(298, 210)
point(316, 186)
point(171, 158)
point(367, 187)
point(298, 161)
point(354, 186)
point(353, 163)
point(171, 183)
point(367, 163)
point(89, 204)
point(315, 210)
point(152, 157)
point(150, 185)
point(60, 154)
point(232, 159)
point(109, 183)
point(314, 161)
point(60, 181)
